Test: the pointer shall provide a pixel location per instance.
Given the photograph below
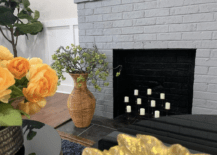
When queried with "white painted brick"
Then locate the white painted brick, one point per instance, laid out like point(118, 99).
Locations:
point(80, 6)
point(118, 38)
point(169, 20)
point(201, 70)
point(205, 95)
point(109, 109)
point(156, 28)
point(190, 2)
point(213, 70)
point(196, 35)
point(102, 10)
point(99, 107)
point(81, 19)
point(206, 44)
point(155, 44)
point(144, 21)
point(206, 62)
point(133, 1)
point(215, 16)
point(92, 32)
point(142, 37)
point(112, 31)
point(132, 30)
point(214, 35)
point(81, 32)
point(138, 45)
point(202, 17)
point(106, 46)
point(85, 12)
point(85, 26)
point(169, 36)
point(122, 23)
point(115, 16)
point(145, 5)
point(198, 110)
point(103, 39)
point(86, 39)
point(184, 10)
point(170, 3)
point(108, 52)
point(207, 26)
point(95, 4)
point(111, 2)
point(127, 45)
point(157, 12)
point(199, 102)
point(212, 7)
point(182, 27)
point(94, 18)
point(201, 53)
point(212, 88)
point(205, 78)
point(200, 87)
point(122, 8)
point(134, 14)
point(213, 53)
point(181, 44)
point(99, 25)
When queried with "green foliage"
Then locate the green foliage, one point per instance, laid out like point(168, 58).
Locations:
point(79, 60)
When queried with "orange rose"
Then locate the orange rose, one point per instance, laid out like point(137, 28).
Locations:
point(6, 80)
point(34, 61)
point(5, 54)
point(3, 63)
point(18, 67)
point(42, 83)
point(31, 107)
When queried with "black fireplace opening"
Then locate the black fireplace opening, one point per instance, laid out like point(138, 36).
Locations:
point(169, 71)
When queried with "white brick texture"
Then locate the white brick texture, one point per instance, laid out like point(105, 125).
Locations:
point(154, 24)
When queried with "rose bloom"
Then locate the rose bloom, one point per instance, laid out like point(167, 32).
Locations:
point(35, 60)
point(5, 54)
point(31, 107)
point(3, 63)
point(6, 80)
point(42, 83)
point(18, 66)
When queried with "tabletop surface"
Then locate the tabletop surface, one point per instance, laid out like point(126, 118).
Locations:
point(40, 139)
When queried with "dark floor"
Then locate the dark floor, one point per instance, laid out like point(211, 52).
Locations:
point(99, 127)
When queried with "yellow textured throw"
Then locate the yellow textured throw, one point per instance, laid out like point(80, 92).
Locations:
point(142, 145)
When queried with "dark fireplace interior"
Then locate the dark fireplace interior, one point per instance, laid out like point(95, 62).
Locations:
point(169, 71)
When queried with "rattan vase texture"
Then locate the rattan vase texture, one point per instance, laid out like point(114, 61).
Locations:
point(11, 140)
point(81, 103)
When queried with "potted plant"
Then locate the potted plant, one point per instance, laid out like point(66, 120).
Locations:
point(83, 65)
point(23, 88)
point(15, 23)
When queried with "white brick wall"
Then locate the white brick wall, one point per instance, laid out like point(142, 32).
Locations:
point(151, 24)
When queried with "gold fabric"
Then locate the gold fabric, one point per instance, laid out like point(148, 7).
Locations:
point(140, 145)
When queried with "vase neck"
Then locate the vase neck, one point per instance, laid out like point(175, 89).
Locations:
point(83, 83)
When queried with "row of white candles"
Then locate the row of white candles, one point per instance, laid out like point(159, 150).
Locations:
point(149, 92)
point(142, 111)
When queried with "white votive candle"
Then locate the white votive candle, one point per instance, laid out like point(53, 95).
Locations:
point(167, 105)
point(149, 91)
point(128, 108)
point(136, 92)
point(126, 99)
point(142, 111)
point(162, 96)
point(153, 103)
point(156, 114)
point(139, 101)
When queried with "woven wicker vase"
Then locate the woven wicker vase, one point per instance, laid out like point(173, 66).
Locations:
point(11, 140)
point(81, 103)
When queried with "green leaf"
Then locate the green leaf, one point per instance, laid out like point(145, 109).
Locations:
point(26, 3)
point(6, 16)
point(36, 14)
point(16, 92)
point(31, 134)
point(31, 28)
point(24, 15)
point(9, 116)
point(23, 113)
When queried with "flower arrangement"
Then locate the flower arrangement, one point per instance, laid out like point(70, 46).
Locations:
point(79, 60)
point(29, 78)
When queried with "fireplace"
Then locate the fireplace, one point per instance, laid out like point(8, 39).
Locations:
point(169, 71)
point(163, 26)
